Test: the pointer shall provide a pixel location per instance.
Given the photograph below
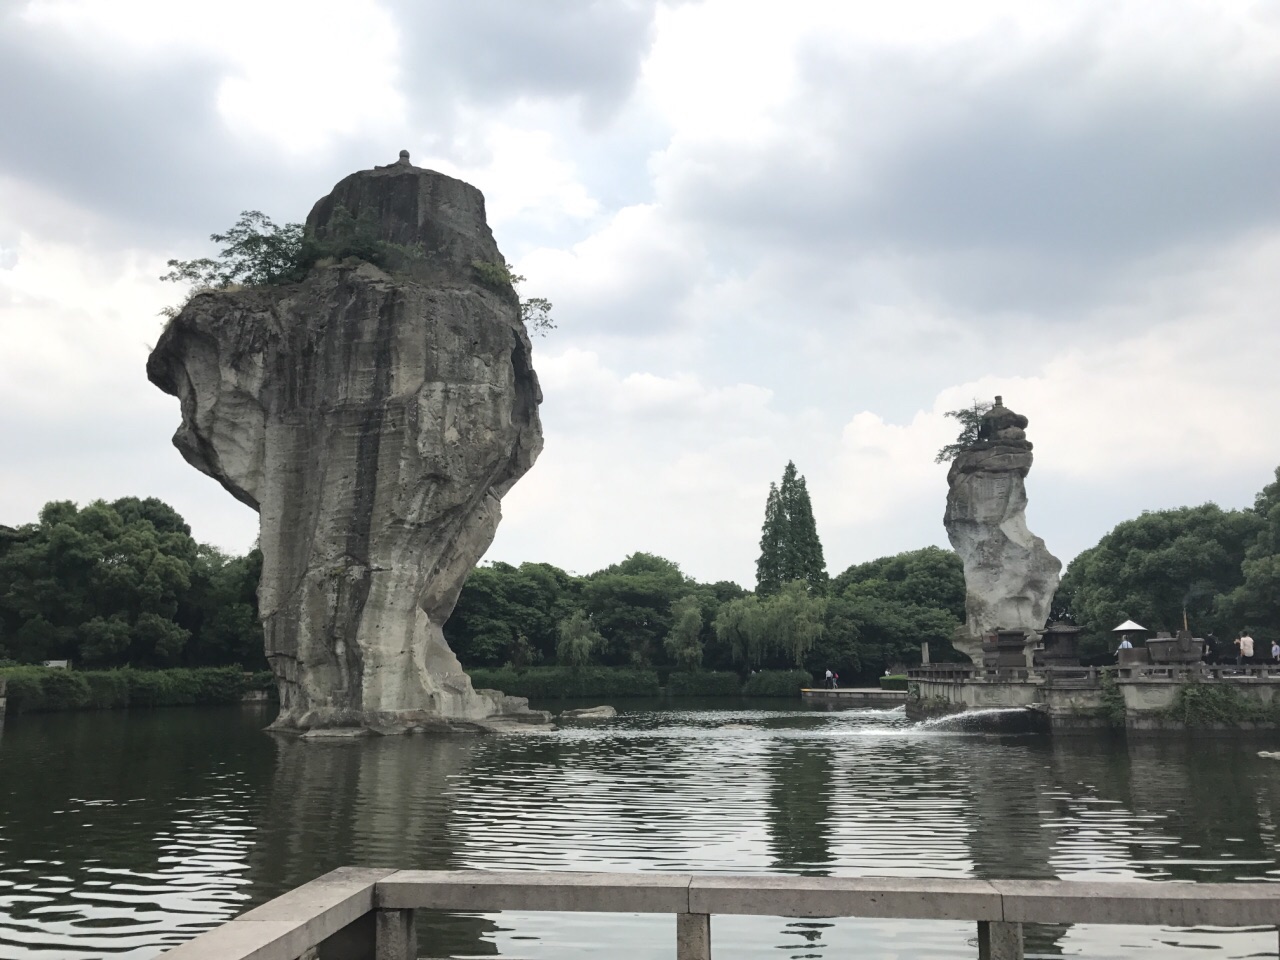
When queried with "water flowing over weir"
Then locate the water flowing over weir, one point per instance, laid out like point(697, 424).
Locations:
point(991, 720)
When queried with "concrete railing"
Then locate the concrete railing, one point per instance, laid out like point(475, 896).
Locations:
point(360, 913)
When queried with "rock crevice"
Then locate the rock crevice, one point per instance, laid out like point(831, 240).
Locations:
point(374, 420)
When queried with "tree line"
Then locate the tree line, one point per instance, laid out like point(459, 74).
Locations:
point(124, 583)
point(1220, 569)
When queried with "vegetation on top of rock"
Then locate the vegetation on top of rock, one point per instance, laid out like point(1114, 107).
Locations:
point(970, 420)
point(256, 252)
point(534, 311)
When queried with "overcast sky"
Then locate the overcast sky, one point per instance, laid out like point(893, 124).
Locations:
point(770, 231)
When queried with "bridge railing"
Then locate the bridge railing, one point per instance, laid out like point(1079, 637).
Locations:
point(360, 913)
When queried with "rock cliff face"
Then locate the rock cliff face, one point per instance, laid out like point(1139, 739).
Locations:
point(374, 421)
point(1010, 576)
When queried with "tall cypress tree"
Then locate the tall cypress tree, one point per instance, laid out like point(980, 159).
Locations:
point(789, 544)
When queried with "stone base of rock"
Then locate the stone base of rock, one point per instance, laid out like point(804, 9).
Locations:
point(516, 717)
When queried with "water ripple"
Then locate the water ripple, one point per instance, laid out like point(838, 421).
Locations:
point(152, 826)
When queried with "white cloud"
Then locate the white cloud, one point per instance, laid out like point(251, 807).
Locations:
point(524, 177)
point(296, 73)
point(805, 233)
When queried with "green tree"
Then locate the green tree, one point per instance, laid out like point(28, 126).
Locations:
point(221, 610)
point(1155, 566)
point(630, 603)
point(579, 639)
point(684, 640)
point(256, 251)
point(789, 545)
point(970, 420)
point(100, 585)
point(500, 601)
point(774, 631)
point(1255, 603)
point(890, 605)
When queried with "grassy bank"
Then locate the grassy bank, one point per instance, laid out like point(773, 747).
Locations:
point(566, 683)
point(36, 689)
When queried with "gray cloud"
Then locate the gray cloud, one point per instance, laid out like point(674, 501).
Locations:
point(1014, 194)
point(142, 145)
point(492, 51)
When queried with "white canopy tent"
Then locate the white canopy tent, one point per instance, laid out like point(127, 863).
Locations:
point(1130, 627)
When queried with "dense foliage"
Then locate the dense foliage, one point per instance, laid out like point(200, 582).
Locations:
point(35, 689)
point(1155, 567)
point(789, 546)
point(645, 612)
point(124, 583)
point(1256, 601)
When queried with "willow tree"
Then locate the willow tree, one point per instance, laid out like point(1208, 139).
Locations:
point(778, 629)
point(789, 545)
point(684, 641)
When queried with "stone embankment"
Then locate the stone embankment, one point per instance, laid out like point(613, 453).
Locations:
point(1138, 699)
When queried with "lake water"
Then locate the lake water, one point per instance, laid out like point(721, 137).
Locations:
point(122, 833)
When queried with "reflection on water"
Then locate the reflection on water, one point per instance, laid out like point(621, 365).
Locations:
point(123, 833)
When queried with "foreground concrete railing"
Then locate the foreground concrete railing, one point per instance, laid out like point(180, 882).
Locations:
point(357, 913)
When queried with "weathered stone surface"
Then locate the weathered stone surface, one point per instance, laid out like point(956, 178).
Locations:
point(1010, 576)
point(374, 421)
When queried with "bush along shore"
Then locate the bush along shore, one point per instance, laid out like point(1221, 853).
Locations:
point(39, 689)
point(42, 689)
point(564, 683)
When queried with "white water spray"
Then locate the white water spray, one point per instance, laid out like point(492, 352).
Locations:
point(990, 720)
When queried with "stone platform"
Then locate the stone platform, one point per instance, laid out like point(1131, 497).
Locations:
point(856, 696)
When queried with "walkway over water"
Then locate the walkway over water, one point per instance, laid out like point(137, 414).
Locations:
point(855, 696)
point(362, 913)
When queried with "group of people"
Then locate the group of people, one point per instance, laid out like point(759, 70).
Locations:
point(831, 680)
point(1244, 650)
point(1243, 644)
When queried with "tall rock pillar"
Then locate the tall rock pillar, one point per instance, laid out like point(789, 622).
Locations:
point(374, 420)
point(1010, 576)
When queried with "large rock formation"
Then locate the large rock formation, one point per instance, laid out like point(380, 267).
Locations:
point(1010, 576)
point(374, 420)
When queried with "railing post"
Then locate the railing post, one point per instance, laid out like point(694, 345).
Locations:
point(693, 936)
point(395, 935)
point(999, 941)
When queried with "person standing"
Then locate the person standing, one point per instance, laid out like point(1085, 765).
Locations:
point(1275, 651)
point(827, 679)
point(1244, 647)
point(1210, 648)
